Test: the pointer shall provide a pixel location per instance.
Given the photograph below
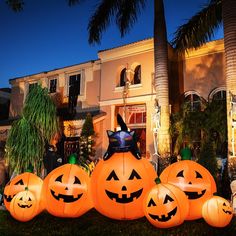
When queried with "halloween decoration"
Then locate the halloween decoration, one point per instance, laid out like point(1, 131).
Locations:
point(195, 180)
point(119, 185)
point(24, 206)
point(67, 191)
point(217, 212)
point(121, 141)
point(166, 205)
point(26, 180)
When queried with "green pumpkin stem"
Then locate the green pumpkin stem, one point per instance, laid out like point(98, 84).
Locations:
point(157, 180)
point(26, 188)
point(72, 159)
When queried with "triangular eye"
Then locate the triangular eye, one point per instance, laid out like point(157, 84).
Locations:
point(224, 204)
point(180, 174)
point(198, 175)
point(20, 182)
point(77, 181)
point(29, 199)
point(133, 175)
point(168, 199)
point(59, 178)
point(151, 203)
point(21, 198)
point(112, 175)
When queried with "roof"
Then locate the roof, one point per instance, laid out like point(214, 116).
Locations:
point(81, 115)
point(45, 72)
point(124, 45)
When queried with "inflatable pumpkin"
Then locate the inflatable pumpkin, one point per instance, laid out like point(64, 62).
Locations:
point(166, 206)
point(119, 185)
point(24, 206)
point(66, 191)
point(26, 180)
point(195, 180)
point(217, 212)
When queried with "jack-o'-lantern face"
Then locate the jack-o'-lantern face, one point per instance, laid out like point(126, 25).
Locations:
point(66, 191)
point(217, 211)
point(119, 185)
point(166, 206)
point(24, 206)
point(195, 180)
point(19, 183)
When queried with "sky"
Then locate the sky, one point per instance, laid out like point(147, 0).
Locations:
point(48, 34)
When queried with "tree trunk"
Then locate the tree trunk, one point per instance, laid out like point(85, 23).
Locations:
point(161, 77)
point(229, 20)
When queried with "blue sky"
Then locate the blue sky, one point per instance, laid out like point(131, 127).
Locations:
point(48, 34)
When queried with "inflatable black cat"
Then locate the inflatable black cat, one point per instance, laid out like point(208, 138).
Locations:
point(122, 141)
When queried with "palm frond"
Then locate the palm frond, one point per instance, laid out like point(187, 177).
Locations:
point(127, 14)
point(101, 19)
point(15, 5)
point(200, 28)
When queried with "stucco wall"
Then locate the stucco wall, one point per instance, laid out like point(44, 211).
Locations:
point(204, 73)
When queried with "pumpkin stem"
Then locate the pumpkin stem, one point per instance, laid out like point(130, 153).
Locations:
point(157, 180)
point(30, 168)
point(72, 159)
point(26, 188)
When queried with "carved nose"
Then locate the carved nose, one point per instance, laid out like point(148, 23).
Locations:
point(66, 188)
point(190, 182)
point(124, 188)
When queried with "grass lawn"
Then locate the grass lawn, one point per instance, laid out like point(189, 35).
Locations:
point(92, 223)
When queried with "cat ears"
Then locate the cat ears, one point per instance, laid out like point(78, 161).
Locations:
point(110, 133)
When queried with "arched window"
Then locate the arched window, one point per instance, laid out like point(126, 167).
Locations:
point(220, 95)
point(122, 77)
point(137, 75)
point(194, 100)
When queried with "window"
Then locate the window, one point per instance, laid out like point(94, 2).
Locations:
point(220, 95)
point(122, 77)
point(137, 75)
point(32, 85)
point(194, 100)
point(74, 85)
point(53, 85)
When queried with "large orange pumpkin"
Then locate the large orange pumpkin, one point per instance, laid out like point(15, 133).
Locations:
point(195, 180)
point(66, 191)
point(119, 185)
point(217, 212)
point(24, 206)
point(166, 206)
point(26, 180)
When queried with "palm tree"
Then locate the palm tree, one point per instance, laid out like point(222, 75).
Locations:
point(126, 12)
point(197, 31)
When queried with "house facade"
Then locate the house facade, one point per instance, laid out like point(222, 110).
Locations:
point(121, 81)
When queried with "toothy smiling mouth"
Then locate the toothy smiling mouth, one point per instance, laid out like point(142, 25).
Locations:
point(8, 198)
point(227, 212)
point(66, 198)
point(194, 195)
point(24, 206)
point(124, 198)
point(164, 218)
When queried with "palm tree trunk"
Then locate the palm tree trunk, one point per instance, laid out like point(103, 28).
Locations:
point(161, 80)
point(161, 76)
point(229, 19)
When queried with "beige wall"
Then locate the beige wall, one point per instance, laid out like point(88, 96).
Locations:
point(204, 69)
point(204, 73)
